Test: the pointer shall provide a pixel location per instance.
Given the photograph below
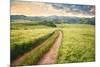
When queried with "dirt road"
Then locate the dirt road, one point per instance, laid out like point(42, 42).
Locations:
point(51, 55)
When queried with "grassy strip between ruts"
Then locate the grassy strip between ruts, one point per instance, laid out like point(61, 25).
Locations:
point(19, 50)
point(34, 56)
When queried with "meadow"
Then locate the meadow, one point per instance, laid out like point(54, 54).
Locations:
point(78, 43)
point(24, 40)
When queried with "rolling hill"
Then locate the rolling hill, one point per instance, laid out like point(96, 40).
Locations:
point(56, 19)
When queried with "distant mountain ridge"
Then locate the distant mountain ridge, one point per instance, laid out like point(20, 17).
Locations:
point(56, 19)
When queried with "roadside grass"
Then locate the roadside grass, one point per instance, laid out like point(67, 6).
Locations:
point(35, 55)
point(78, 44)
point(25, 40)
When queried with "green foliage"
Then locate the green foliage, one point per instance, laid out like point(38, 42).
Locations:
point(48, 23)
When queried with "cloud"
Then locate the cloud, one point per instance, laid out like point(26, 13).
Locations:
point(47, 9)
point(85, 9)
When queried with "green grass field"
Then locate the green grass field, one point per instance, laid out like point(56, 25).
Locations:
point(78, 44)
point(35, 55)
point(24, 40)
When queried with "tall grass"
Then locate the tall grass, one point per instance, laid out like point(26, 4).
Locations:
point(78, 44)
point(20, 49)
point(26, 36)
point(34, 56)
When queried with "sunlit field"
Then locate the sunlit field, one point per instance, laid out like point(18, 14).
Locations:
point(25, 40)
point(24, 36)
point(78, 44)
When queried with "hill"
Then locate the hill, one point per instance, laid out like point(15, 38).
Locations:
point(56, 19)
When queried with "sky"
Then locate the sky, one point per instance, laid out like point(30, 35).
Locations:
point(33, 8)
